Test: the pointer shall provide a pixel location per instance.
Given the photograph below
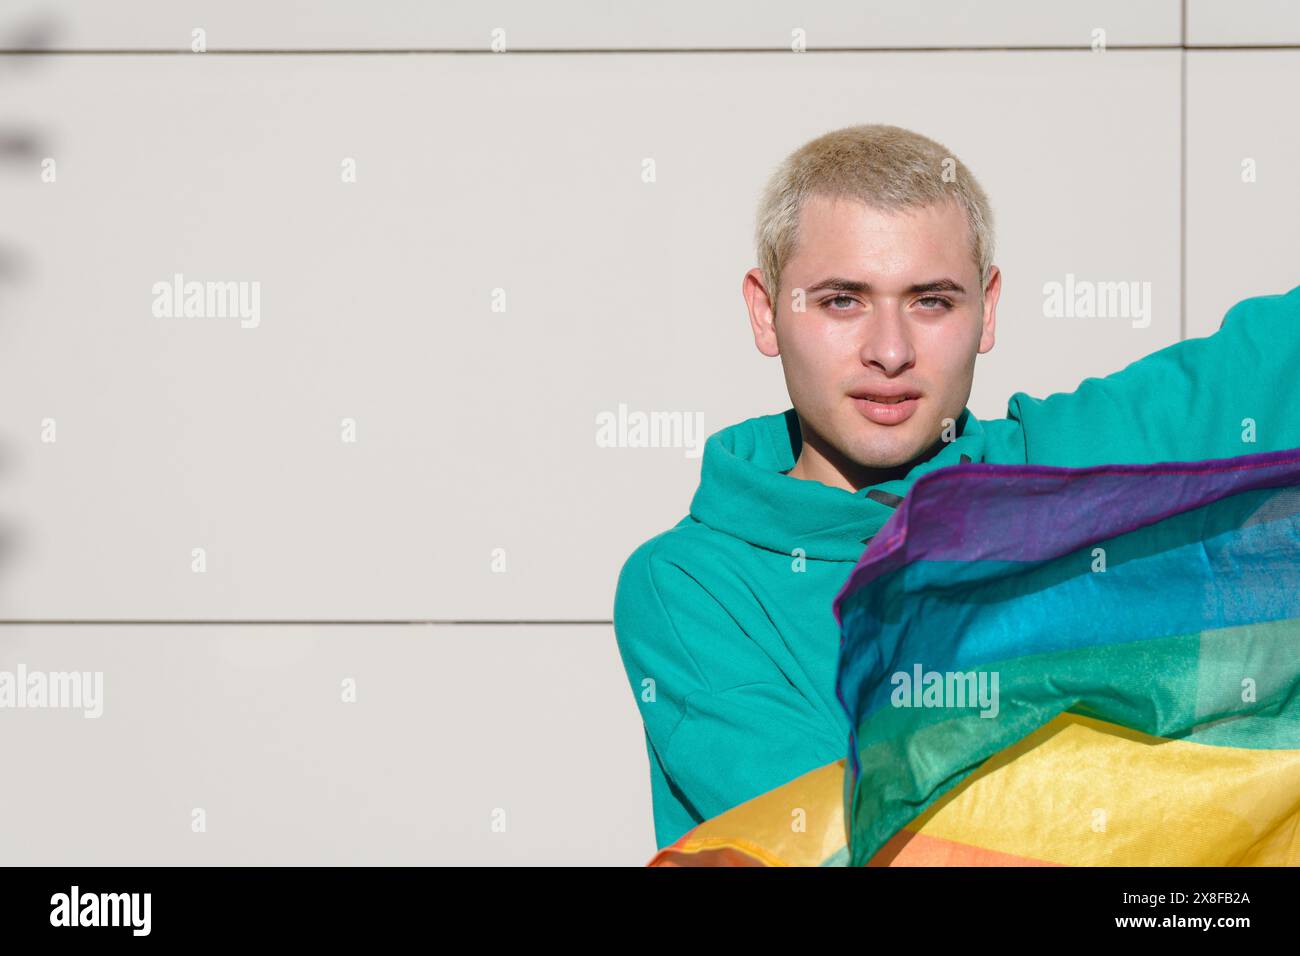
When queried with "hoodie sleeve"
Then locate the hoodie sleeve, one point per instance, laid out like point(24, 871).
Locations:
point(722, 723)
point(1227, 394)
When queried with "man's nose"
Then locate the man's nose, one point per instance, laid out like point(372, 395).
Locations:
point(887, 340)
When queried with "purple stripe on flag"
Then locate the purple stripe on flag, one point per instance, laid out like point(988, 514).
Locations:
point(985, 512)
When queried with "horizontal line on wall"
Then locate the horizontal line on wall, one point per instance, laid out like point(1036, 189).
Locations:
point(550, 51)
point(329, 623)
point(607, 50)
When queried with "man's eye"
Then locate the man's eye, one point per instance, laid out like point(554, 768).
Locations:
point(935, 301)
point(846, 299)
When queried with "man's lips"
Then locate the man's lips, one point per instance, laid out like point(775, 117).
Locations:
point(886, 406)
point(884, 395)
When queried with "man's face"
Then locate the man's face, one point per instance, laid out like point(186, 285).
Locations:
point(891, 305)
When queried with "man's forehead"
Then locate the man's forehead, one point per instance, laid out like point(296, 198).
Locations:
point(842, 231)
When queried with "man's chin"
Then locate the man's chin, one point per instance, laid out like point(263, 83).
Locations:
point(900, 454)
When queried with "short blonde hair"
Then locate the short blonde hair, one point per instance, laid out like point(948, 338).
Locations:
point(886, 167)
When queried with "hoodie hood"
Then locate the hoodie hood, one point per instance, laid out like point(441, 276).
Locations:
point(744, 492)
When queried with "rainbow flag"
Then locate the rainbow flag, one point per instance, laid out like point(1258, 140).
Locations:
point(1059, 666)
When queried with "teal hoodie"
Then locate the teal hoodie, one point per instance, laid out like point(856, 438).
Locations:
point(724, 621)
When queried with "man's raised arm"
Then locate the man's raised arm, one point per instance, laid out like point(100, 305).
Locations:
point(1236, 392)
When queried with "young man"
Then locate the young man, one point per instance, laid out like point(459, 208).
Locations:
point(876, 288)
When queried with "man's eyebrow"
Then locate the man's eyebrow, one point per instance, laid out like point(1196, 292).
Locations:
point(853, 285)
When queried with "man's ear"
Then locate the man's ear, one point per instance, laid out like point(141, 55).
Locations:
point(762, 315)
point(991, 293)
